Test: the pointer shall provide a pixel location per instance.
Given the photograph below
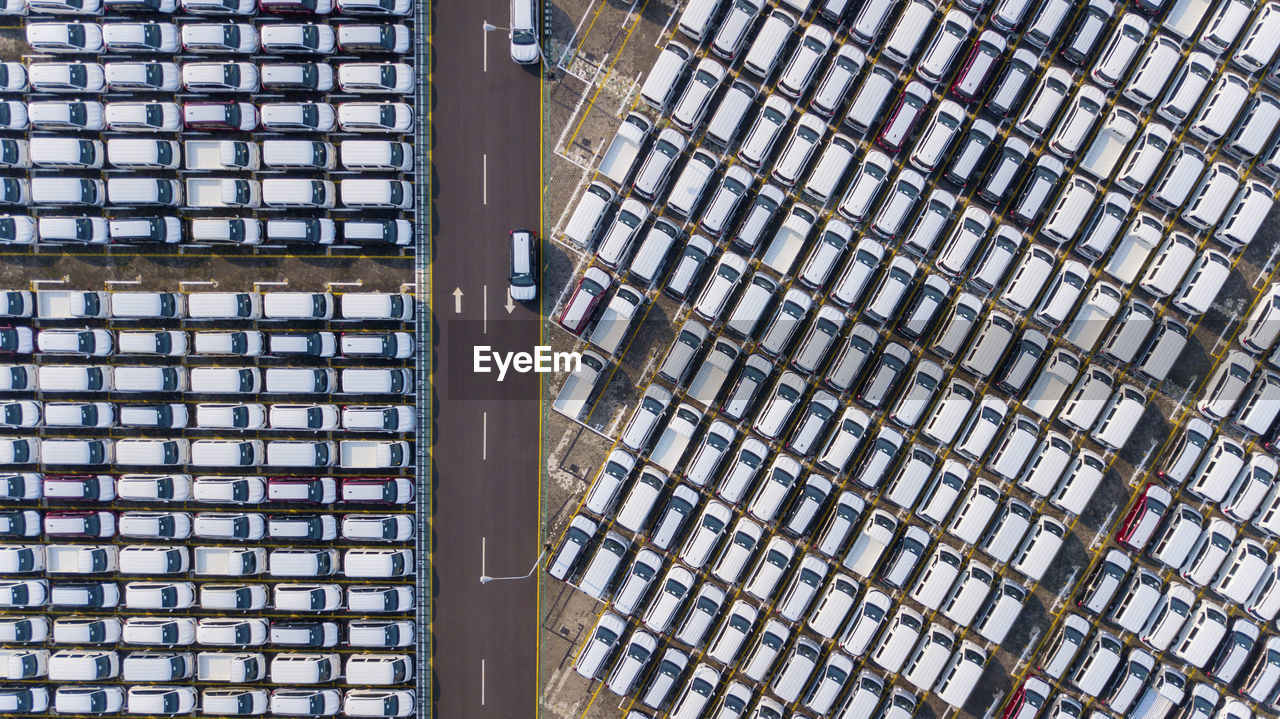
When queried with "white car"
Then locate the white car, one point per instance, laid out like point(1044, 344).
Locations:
point(377, 527)
point(147, 76)
point(159, 37)
point(23, 413)
point(13, 77)
point(298, 116)
point(144, 116)
point(390, 345)
point(314, 344)
point(240, 38)
point(17, 230)
point(66, 7)
point(170, 343)
point(75, 115)
point(376, 77)
point(88, 343)
point(394, 39)
point(230, 415)
point(385, 418)
point(69, 37)
point(79, 414)
point(305, 702)
point(375, 7)
point(13, 115)
point(375, 117)
point(219, 7)
point(310, 37)
point(308, 76)
point(313, 417)
point(242, 116)
point(220, 77)
point(65, 77)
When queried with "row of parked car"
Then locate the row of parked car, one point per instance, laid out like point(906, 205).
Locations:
point(49, 305)
point(164, 700)
point(216, 415)
point(361, 8)
point(205, 525)
point(81, 115)
point(176, 452)
point(247, 231)
point(287, 598)
point(209, 77)
point(183, 488)
point(203, 37)
point(151, 666)
point(248, 631)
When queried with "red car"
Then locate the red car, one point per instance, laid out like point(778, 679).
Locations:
point(983, 59)
point(911, 106)
point(1141, 521)
point(1027, 700)
point(582, 303)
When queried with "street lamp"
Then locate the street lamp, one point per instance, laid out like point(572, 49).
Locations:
point(488, 27)
point(485, 578)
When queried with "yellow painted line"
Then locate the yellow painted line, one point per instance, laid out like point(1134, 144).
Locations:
point(587, 110)
point(592, 700)
point(542, 325)
point(590, 25)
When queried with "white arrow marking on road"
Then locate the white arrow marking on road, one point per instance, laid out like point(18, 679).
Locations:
point(457, 300)
point(511, 305)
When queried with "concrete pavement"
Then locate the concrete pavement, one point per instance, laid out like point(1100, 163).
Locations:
point(486, 145)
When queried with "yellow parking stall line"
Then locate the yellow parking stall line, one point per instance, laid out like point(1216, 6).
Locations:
point(591, 103)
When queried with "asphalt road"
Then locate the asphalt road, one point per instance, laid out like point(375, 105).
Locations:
point(486, 144)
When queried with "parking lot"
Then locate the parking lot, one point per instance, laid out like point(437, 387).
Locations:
point(180, 534)
point(1169, 398)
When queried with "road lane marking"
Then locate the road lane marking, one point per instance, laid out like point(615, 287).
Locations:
point(482, 552)
point(481, 682)
point(484, 306)
point(485, 32)
point(484, 435)
point(484, 173)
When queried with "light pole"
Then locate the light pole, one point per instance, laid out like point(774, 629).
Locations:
point(489, 27)
point(485, 578)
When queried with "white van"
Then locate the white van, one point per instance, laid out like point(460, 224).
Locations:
point(769, 42)
point(163, 452)
point(294, 380)
point(376, 306)
point(384, 194)
point(72, 451)
point(224, 305)
point(227, 452)
point(66, 152)
point(295, 668)
point(298, 193)
point(1244, 216)
point(379, 669)
point(147, 305)
point(664, 77)
point(1118, 419)
point(1002, 611)
point(1203, 282)
point(587, 217)
point(696, 19)
point(297, 306)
